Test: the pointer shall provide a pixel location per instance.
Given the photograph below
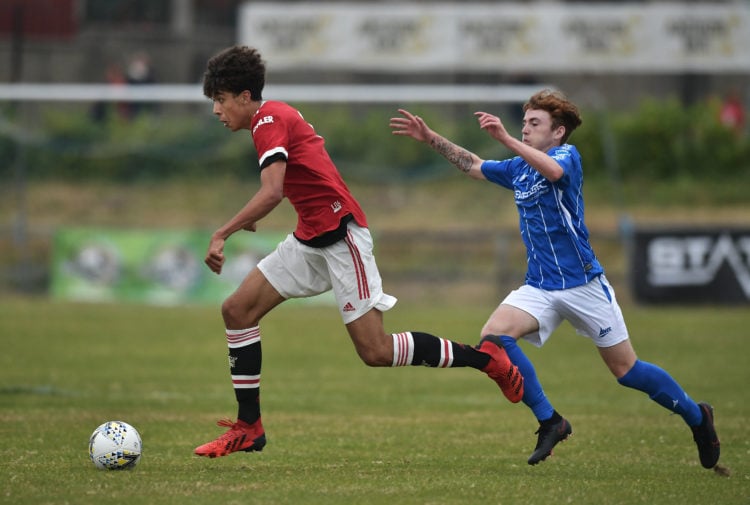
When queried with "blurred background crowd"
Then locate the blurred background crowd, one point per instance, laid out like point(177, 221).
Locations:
point(664, 88)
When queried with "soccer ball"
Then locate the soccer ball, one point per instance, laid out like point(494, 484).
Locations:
point(115, 445)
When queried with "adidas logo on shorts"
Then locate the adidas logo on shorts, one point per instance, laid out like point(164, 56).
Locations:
point(349, 307)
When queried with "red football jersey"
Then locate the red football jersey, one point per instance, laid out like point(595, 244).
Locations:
point(312, 182)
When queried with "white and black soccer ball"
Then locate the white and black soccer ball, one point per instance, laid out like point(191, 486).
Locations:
point(115, 445)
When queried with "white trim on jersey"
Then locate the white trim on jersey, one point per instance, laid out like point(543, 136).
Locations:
point(271, 152)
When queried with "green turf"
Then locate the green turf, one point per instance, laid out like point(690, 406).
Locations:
point(342, 433)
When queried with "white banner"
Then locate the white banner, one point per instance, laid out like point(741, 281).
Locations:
point(481, 37)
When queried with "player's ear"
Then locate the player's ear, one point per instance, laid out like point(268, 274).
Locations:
point(559, 133)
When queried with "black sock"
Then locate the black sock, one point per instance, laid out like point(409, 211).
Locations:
point(245, 357)
point(418, 348)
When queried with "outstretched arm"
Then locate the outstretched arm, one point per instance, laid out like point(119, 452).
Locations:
point(539, 160)
point(414, 126)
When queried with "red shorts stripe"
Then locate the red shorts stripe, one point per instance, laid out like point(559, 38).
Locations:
point(362, 285)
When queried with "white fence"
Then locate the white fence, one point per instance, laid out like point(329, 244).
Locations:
point(326, 93)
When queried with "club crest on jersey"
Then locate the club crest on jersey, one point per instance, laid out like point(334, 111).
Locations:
point(262, 121)
point(336, 206)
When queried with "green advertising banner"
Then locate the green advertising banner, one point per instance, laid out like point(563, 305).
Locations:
point(162, 267)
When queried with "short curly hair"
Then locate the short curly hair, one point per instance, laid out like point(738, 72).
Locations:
point(235, 69)
point(563, 111)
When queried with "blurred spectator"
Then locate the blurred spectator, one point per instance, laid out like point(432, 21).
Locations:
point(139, 71)
point(732, 114)
point(100, 110)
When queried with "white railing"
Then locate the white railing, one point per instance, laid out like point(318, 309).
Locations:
point(324, 93)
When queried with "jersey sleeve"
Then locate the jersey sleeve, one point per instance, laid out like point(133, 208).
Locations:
point(499, 172)
point(271, 139)
point(568, 158)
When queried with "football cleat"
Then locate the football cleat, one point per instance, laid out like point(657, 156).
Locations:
point(549, 436)
point(501, 370)
point(706, 438)
point(241, 436)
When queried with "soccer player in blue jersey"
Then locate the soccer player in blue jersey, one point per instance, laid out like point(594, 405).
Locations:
point(564, 280)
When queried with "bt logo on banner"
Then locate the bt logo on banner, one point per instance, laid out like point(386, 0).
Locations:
point(695, 266)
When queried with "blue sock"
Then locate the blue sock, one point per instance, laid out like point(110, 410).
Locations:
point(533, 394)
point(662, 389)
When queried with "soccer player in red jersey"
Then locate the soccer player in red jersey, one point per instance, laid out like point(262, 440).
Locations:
point(330, 249)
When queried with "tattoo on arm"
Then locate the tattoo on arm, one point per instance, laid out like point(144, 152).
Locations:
point(453, 153)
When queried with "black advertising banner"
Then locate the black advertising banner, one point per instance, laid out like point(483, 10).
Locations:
point(691, 265)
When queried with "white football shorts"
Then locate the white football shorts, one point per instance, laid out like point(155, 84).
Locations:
point(348, 267)
point(591, 309)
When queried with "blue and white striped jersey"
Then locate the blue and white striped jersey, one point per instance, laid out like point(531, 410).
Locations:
point(558, 251)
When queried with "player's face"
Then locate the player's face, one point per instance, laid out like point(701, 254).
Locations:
point(537, 130)
point(232, 110)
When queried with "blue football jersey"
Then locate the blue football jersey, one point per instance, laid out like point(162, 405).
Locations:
point(558, 251)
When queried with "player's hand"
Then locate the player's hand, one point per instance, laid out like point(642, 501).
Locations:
point(410, 126)
point(492, 125)
point(215, 255)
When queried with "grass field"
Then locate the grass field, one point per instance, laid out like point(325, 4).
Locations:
point(342, 433)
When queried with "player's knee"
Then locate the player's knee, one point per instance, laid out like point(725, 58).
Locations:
point(375, 356)
point(375, 361)
point(502, 330)
point(492, 330)
point(374, 346)
point(235, 314)
point(496, 327)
